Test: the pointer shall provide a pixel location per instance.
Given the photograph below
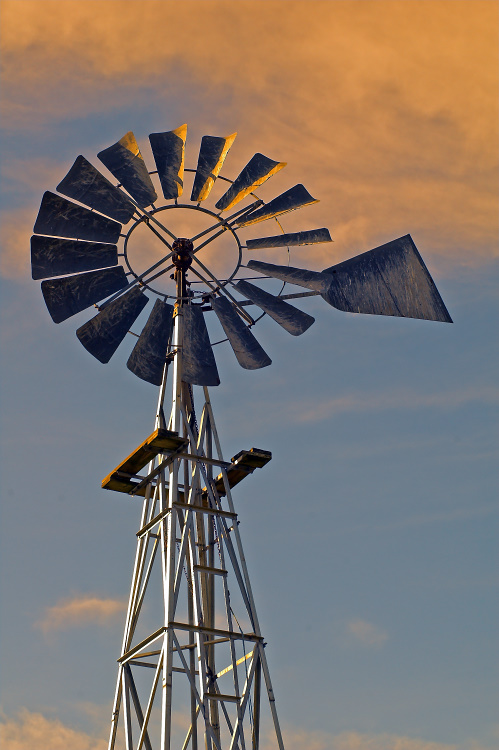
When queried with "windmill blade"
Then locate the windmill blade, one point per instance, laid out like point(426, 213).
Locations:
point(84, 183)
point(248, 351)
point(310, 237)
point(103, 334)
point(51, 256)
point(295, 197)
point(147, 359)
point(168, 151)
point(59, 217)
point(198, 361)
point(255, 173)
point(319, 282)
point(124, 160)
point(294, 321)
point(66, 297)
point(211, 158)
point(390, 280)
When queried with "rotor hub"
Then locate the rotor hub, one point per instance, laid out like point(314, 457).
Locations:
point(182, 249)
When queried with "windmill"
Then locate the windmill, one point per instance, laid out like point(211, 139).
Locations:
point(192, 645)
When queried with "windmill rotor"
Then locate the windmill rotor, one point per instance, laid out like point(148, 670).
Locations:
point(75, 251)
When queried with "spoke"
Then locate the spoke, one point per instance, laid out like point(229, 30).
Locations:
point(251, 207)
point(207, 242)
point(205, 281)
point(222, 289)
point(157, 275)
point(152, 218)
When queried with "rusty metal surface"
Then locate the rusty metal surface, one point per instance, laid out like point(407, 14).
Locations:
point(295, 197)
point(290, 318)
point(390, 280)
point(125, 162)
point(310, 237)
point(147, 359)
point(84, 183)
point(248, 351)
point(319, 282)
point(211, 158)
point(255, 173)
point(51, 256)
point(168, 151)
point(59, 217)
point(66, 297)
point(198, 360)
point(102, 334)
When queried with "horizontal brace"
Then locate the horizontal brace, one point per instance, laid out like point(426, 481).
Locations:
point(206, 569)
point(221, 697)
point(203, 459)
point(143, 664)
point(215, 631)
point(215, 641)
point(202, 509)
point(181, 669)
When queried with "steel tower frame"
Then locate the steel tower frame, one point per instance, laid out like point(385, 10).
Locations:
point(183, 518)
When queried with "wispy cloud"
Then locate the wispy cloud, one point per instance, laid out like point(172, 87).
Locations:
point(79, 611)
point(298, 739)
point(33, 731)
point(394, 400)
point(366, 634)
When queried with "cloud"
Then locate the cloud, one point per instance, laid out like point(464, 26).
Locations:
point(402, 399)
point(80, 611)
point(314, 740)
point(386, 110)
point(33, 731)
point(366, 633)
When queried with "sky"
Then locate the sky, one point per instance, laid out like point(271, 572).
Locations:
point(371, 537)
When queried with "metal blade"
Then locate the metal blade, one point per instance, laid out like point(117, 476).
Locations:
point(295, 197)
point(311, 237)
point(103, 334)
point(66, 297)
point(211, 158)
point(168, 151)
point(147, 359)
point(248, 351)
point(255, 173)
point(86, 184)
point(58, 217)
point(124, 160)
point(319, 282)
point(290, 318)
point(51, 256)
point(198, 362)
point(390, 280)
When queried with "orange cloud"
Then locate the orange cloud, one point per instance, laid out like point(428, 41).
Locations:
point(33, 731)
point(79, 611)
point(386, 110)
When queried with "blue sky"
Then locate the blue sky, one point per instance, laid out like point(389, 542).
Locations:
point(371, 537)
